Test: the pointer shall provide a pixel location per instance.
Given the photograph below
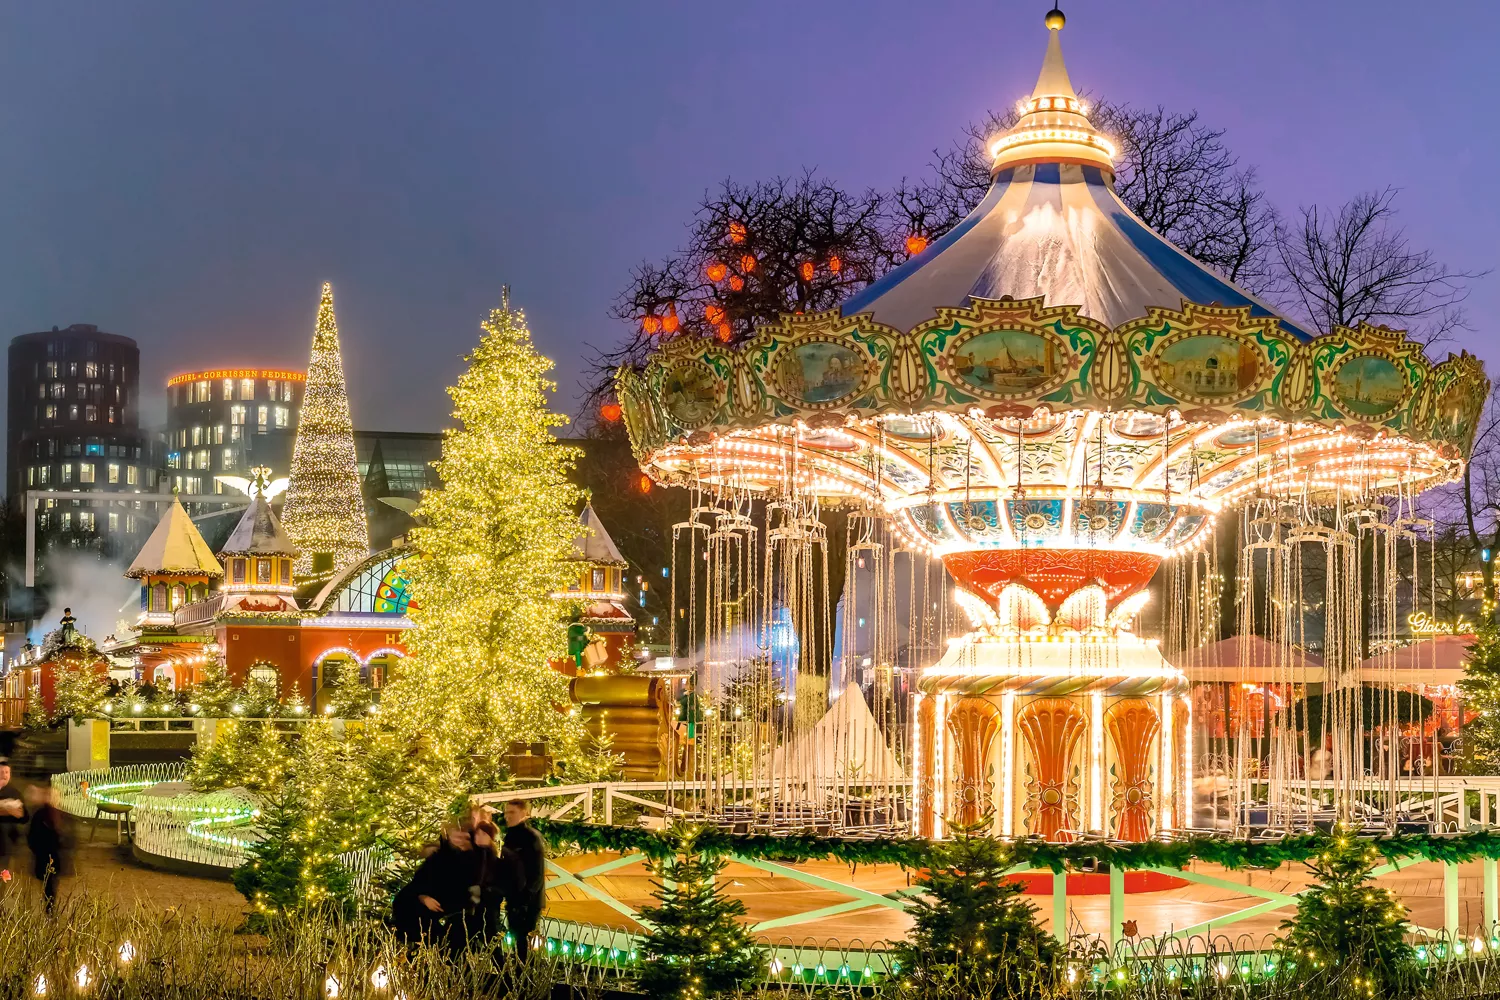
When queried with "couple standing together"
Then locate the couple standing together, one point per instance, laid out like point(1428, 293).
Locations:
point(457, 891)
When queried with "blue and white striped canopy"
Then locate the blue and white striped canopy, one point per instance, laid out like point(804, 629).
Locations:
point(1055, 230)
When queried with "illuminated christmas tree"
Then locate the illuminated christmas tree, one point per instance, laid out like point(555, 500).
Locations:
point(495, 543)
point(324, 513)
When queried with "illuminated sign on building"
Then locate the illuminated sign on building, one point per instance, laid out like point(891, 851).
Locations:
point(218, 373)
point(1422, 624)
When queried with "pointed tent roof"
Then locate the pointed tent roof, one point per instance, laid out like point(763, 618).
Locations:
point(175, 548)
point(259, 533)
point(845, 743)
point(593, 543)
point(1051, 226)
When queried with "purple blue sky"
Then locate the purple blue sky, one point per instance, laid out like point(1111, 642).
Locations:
point(187, 173)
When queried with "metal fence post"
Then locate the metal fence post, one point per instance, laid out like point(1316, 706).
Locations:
point(1491, 893)
point(1060, 907)
point(1116, 905)
point(1450, 897)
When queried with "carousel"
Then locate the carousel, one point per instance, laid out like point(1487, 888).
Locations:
point(1052, 401)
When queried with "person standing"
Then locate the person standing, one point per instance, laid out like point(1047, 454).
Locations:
point(439, 888)
point(13, 816)
point(50, 840)
point(523, 908)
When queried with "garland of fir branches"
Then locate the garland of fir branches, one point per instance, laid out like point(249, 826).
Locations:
point(915, 852)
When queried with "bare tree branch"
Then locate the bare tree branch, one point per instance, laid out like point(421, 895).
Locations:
point(1357, 265)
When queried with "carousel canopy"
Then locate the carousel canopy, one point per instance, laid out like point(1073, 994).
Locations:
point(1052, 227)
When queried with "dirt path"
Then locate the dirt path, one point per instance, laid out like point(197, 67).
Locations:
point(105, 870)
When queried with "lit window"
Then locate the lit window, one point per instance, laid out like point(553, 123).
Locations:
point(228, 459)
point(239, 571)
point(59, 390)
point(129, 524)
point(203, 459)
point(73, 413)
point(202, 396)
point(52, 369)
point(130, 475)
point(83, 391)
point(263, 570)
point(114, 521)
point(219, 434)
point(51, 412)
point(598, 583)
point(67, 472)
point(91, 413)
point(44, 474)
point(31, 476)
point(197, 435)
point(179, 596)
point(286, 392)
point(263, 415)
point(236, 432)
point(237, 414)
point(247, 389)
point(114, 472)
point(85, 472)
point(86, 520)
point(67, 520)
point(91, 369)
point(281, 416)
point(229, 388)
point(111, 414)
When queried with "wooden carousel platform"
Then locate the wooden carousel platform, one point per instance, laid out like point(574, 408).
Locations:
point(827, 901)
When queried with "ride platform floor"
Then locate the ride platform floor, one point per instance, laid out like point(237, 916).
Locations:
point(769, 896)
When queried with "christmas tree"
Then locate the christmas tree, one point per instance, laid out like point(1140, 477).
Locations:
point(493, 545)
point(213, 694)
point(294, 866)
point(81, 687)
point(349, 693)
point(972, 933)
point(700, 946)
point(242, 754)
point(1481, 692)
point(1345, 928)
point(324, 513)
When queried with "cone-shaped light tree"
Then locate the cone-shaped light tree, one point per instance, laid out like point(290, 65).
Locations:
point(491, 548)
point(324, 514)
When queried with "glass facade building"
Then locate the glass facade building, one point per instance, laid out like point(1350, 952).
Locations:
point(225, 421)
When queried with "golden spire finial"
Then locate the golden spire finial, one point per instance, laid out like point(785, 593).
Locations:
point(1053, 125)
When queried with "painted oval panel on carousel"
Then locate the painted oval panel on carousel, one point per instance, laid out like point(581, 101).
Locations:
point(1207, 367)
point(1007, 362)
point(691, 395)
point(1368, 386)
point(819, 373)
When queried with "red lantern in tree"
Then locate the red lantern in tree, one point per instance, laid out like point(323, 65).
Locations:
point(724, 333)
point(651, 324)
point(835, 265)
point(715, 270)
point(747, 263)
point(611, 412)
point(736, 232)
point(714, 314)
point(915, 244)
point(643, 483)
point(669, 321)
point(736, 283)
point(808, 269)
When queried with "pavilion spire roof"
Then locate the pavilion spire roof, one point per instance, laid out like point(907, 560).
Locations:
point(175, 548)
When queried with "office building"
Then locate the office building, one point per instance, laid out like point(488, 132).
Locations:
point(73, 427)
point(226, 421)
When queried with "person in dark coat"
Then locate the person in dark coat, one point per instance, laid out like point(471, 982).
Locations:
point(497, 878)
point(439, 889)
point(523, 907)
point(13, 816)
point(50, 839)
